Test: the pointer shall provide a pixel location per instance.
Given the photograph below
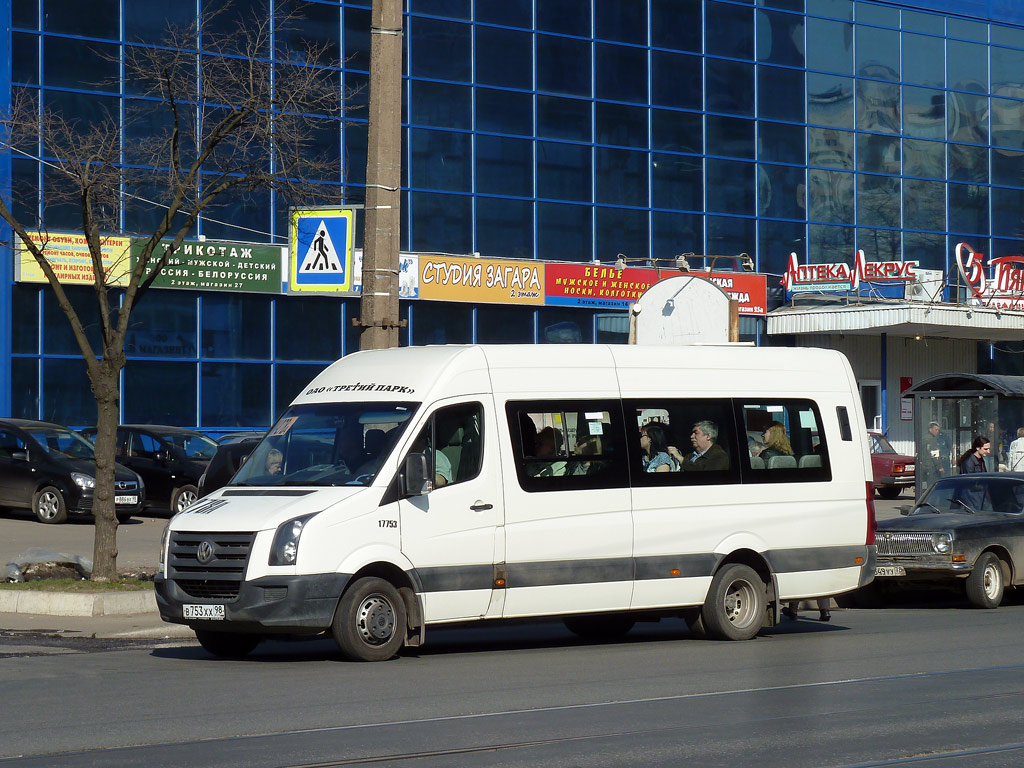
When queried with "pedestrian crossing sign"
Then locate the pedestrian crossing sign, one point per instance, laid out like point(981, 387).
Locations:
point(322, 241)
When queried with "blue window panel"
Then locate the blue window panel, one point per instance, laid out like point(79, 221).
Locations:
point(731, 186)
point(562, 325)
point(878, 53)
point(318, 27)
point(25, 188)
point(357, 94)
point(25, 316)
point(236, 395)
point(504, 57)
point(780, 93)
point(440, 160)
point(924, 158)
point(927, 248)
point(968, 30)
point(24, 58)
point(624, 21)
point(830, 196)
point(442, 105)
point(780, 38)
point(675, 233)
point(924, 112)
point(1004, 35)
point(230, 17)
point(441, 222)
point(784, 5)
point(827, 244)
point(161, 392)
point(1007, 65)
point(878, 154)
point(831, 148)
point(924, 204)
point(728, 30)
point(877, 14)
point(782, 191)
point(967, 118)
point(830, 100)
point(781, 142)
point(68, 17)
point(70, 63)
point(676, 24)
point(67, 397)
point(564, 171)
point(731, 236)
point(353, 165)
point(677, 131)
point(730, 137)
point(58, 338)
point(496, 324)
point(565, 232)
point(511, 13)
point(568, 17)
point(966, 66)
point(677, 80)
point(621, 124)
point(776, 240)
point(880, 244)
point(559, 118)
point(25, 388)
point(236, 326)
point(931, 23)
point(878, 201)
point(148, 21)
point(836, 9)
point(621, 73)
point(967, 163)
point(1008, 168)
point(730, 87)
point(440, 49)
point(504, 228)
point(438, 322)
point(878, 106)
point(357, 38)
point(621, 177)
point(235, 214)
point(924, 60)
point(968, 208)
point(290, 380)
point(504, 166)
point(1008, 123)
point(677, 182)
point(453, 9)
point(830, 46)
point(165, 325)
point(295, 316)
point(622, 230)
point(563, 65)
point(25, 14)
point(504, 111)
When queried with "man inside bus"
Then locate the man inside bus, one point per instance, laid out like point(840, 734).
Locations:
point(708, 455)
point(549, 450)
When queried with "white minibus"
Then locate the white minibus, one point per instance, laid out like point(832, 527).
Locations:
point(605, 485)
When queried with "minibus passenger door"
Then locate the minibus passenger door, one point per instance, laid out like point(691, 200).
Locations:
point(449, 533)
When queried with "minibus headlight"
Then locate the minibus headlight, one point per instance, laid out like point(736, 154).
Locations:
point(163, 544)
point(85, 482)
point(286, 541)
point(942, 543)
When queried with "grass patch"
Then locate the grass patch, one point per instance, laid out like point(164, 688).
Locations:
point(78, 585)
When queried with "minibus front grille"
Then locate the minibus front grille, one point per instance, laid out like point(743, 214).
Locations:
point(209, 565)
point(895, 544)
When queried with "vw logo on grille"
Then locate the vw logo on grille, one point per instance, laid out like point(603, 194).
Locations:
point(204, 554)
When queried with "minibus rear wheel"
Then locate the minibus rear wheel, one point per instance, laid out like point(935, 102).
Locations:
point(370, 623)
point(735, 605)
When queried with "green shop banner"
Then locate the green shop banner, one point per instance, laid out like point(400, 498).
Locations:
point(218, 266)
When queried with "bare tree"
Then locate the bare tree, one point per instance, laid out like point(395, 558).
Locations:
point(225, 119)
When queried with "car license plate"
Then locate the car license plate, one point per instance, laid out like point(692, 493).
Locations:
point(209, 612)
point(890, 570)
point(126, 499)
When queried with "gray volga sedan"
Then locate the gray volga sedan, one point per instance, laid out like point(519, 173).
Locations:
point(968, 528)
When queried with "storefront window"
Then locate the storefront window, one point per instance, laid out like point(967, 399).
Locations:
point(67, 397)
point(236, 326)
point(25, 388)
point(289, 381)
point(307, 328)
point(58, 338)
point(158, 392)
point(236, 395)
point(435, 322)
point(163, 325)
point(565, 326)
point(504, 325)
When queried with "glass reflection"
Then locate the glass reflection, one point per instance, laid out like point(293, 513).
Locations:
point(879, 244)
point(830, 100)
point(924, 112)
point(967, 163)
point(968, 208)
point(924, 204)
point(780, 38)
point(878, 200)
point(968, 118)
point(621, 124)
point(878, 106)
point(782, 191)
point(504, 227)
point(1008, 123)
point(927, 249)
point(730, 186)
point(878, 53)
point(830, 196)
point(878, 154)
point(827, 244)
point(1008, 168)
point(730, 87)
point(780, 93)
point(830, 147)
point(780, 142)
point(966, 66)
point(923, 60)
point(621, 176)
point(830, 46)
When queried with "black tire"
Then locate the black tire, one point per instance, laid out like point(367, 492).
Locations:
point(987, 582)
point(182, 497)
point(48, 506)
point(607, 626)
point(735, 606)
point(227, 645)
point(889, 492)
point(695, 623)
point(123, 517)
point(370, 623)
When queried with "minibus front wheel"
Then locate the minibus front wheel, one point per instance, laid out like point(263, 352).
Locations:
point(370, 623)
point(735, 605)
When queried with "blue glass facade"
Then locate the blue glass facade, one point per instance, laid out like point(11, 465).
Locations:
point(568, 130)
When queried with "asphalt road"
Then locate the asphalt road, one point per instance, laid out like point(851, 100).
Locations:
point(907, 686)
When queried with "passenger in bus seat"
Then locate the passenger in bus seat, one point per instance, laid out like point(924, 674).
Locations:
point(776, 442)
point(549, 446)
point(655, 449)
point(708, 455)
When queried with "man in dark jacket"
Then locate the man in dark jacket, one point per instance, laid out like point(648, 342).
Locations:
point(708, 455)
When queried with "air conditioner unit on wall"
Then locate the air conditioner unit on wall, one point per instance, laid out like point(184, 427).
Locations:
point(926, 286)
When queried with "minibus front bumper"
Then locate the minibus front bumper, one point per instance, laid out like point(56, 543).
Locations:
point(269, 605)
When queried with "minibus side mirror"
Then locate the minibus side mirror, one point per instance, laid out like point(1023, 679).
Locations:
point(415, 478)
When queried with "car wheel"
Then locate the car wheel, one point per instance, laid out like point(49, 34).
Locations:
point(183, 497)
point(889, 492)
point(123, 517)
point(985, 584)
point(48, 506)
point(600, 627)
point(227, 645)
point(735, 605)
point(370, 623)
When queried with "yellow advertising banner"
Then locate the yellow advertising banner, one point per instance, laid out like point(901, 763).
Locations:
point(68, 255)
point(450, 278)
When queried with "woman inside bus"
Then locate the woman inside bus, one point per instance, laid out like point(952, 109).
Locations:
point(655, 449)
point(776, 442)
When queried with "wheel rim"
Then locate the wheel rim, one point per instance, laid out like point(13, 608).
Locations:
point(375, 620)
point(49, 505)
point(741, 604)
point(993, 581)
point(185, 498)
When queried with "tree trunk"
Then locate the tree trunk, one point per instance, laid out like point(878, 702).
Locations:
point(105, 379)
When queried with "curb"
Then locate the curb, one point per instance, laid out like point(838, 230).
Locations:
point(77, 603)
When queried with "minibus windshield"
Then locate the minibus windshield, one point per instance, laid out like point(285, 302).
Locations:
point(327, 444)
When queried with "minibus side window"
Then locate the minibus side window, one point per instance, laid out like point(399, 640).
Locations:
point(785, 442)
point(453, 441)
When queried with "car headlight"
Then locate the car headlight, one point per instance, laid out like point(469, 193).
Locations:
point(285, 549)
point(83, 481)
point(942, 543)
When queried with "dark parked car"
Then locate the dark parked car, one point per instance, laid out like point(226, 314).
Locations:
point(224, 464)
point(966, 527)
point(169, 459)
point(891, 471)
point(50, 469)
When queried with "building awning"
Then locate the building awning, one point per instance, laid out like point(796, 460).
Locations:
point(1007, 386)
point(905, 318)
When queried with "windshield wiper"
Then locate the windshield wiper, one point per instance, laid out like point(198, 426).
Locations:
point(963, 504)
point(928, 504)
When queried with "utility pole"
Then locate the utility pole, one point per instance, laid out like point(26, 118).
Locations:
point(378, 306)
